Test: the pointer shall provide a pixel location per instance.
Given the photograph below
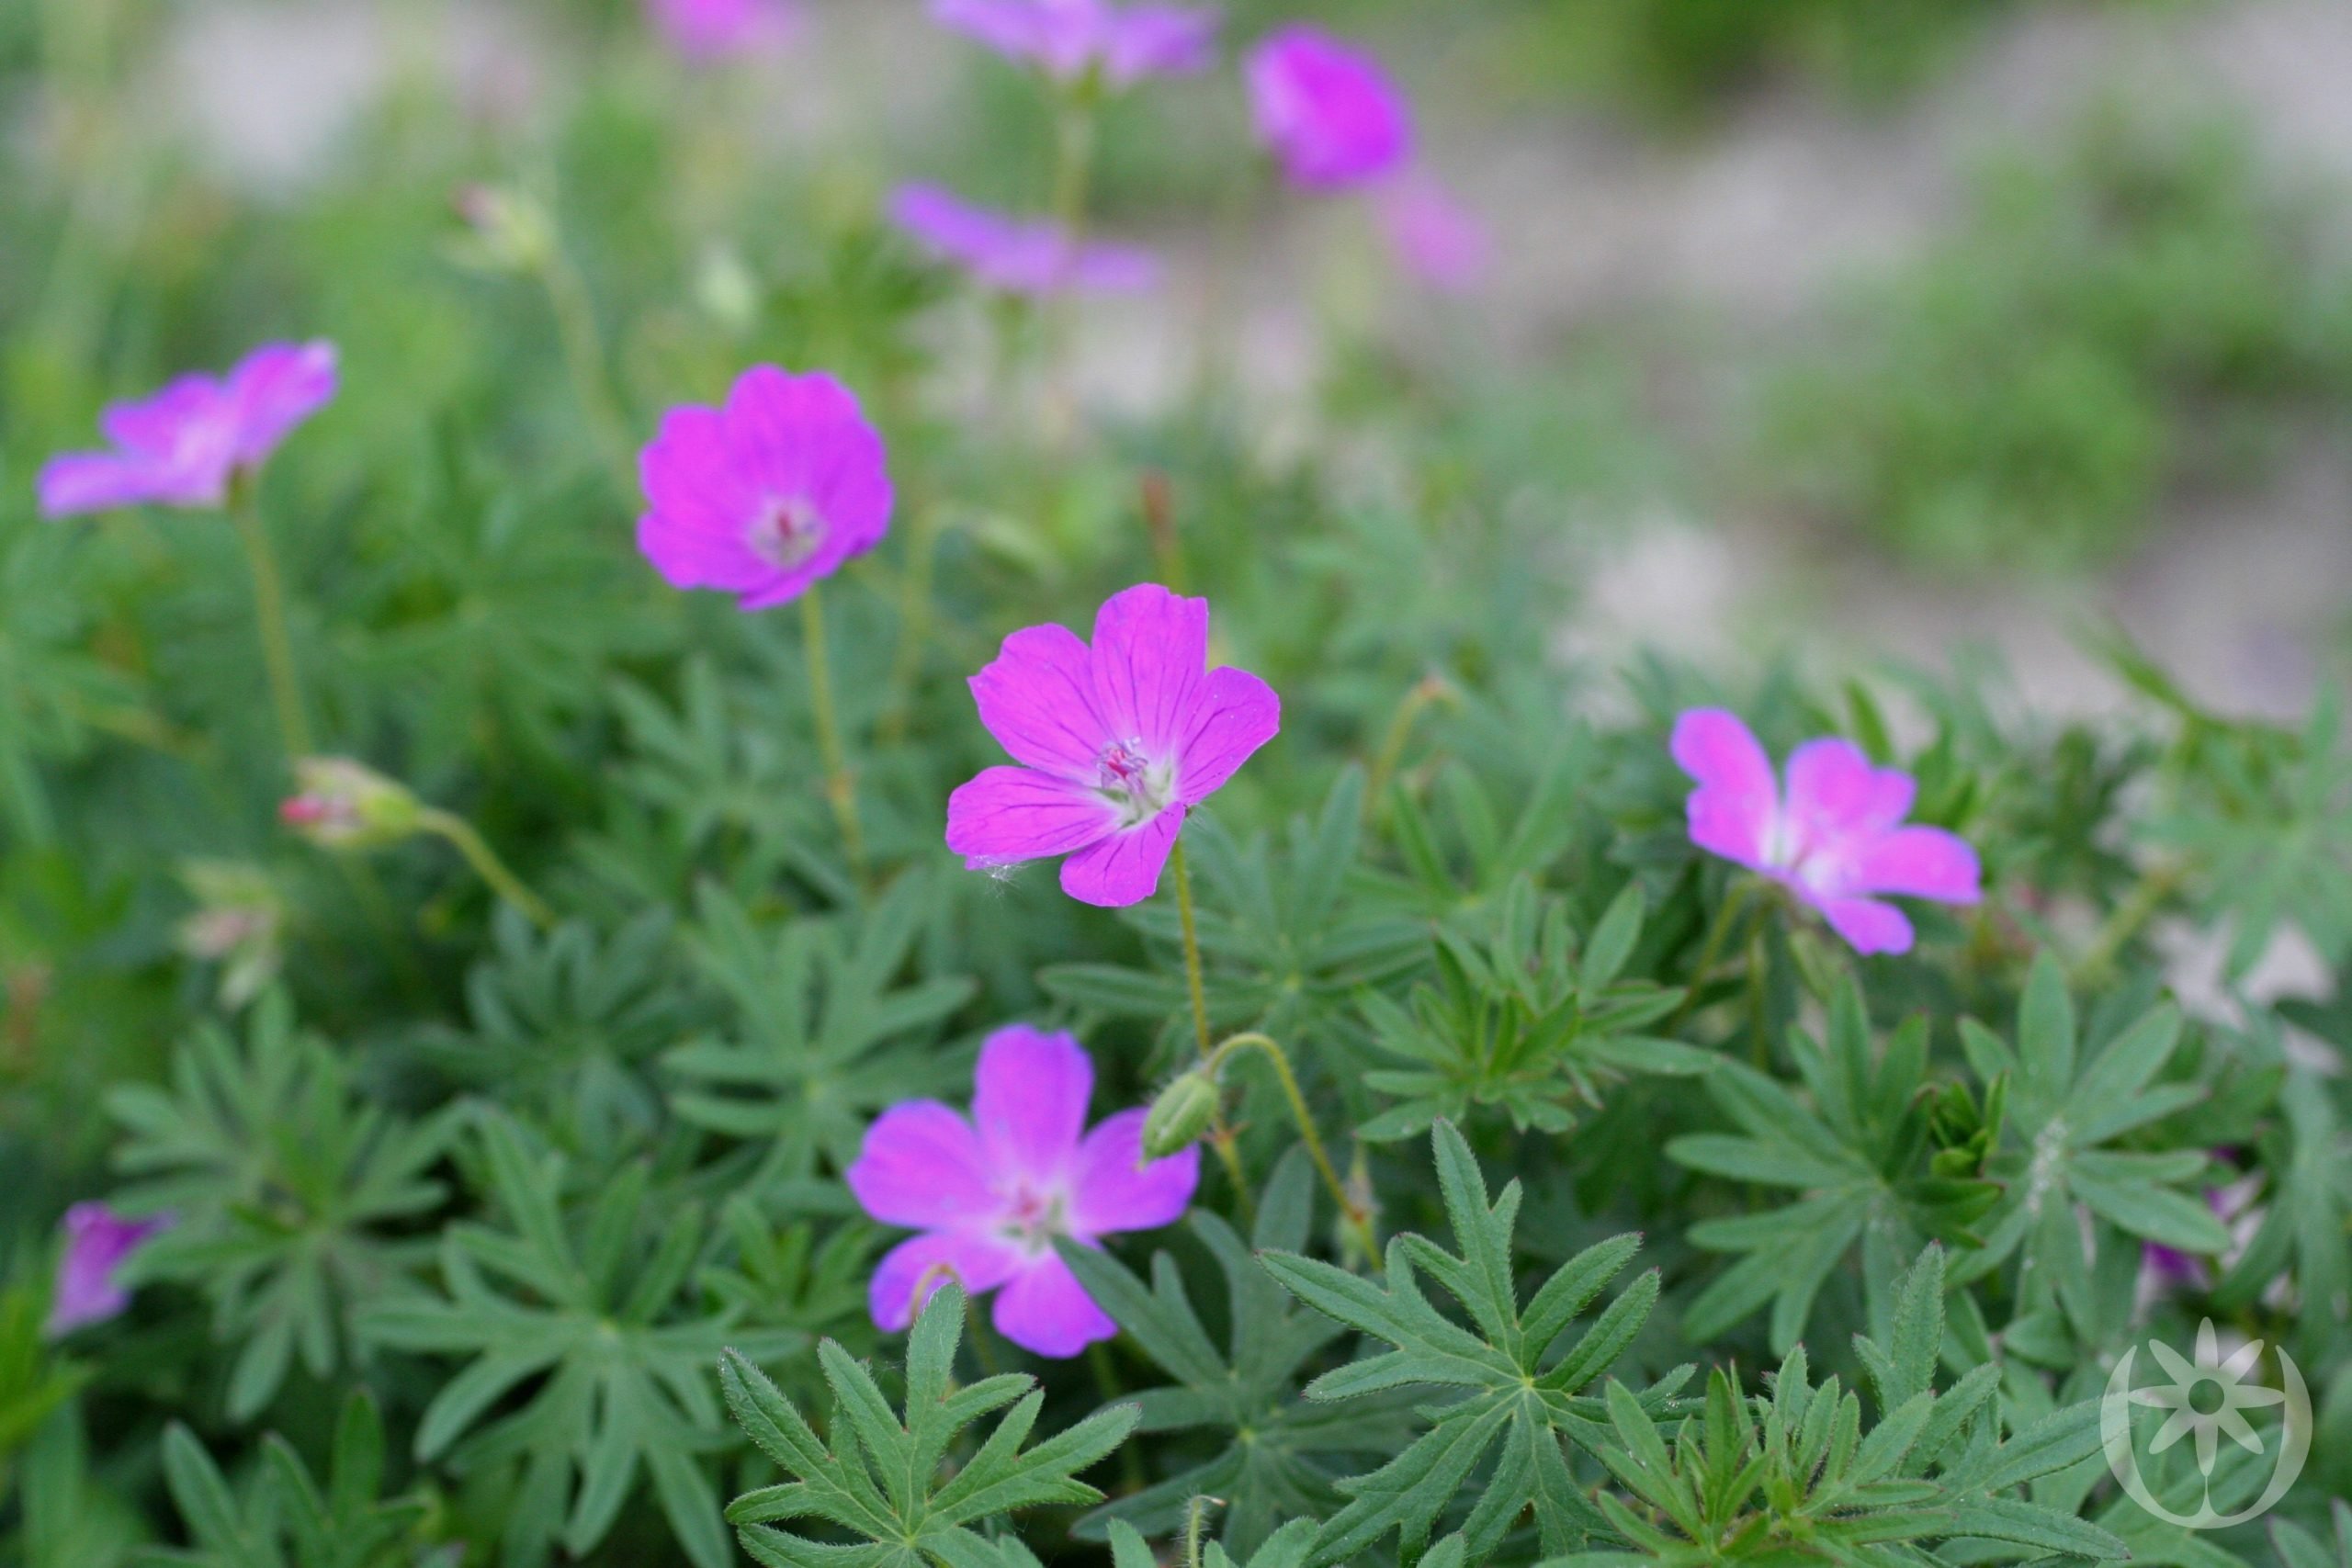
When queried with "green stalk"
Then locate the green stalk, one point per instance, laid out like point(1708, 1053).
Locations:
point(462, 834)
point(270, 615)
point(1220, 1135)
point(841, 790)
point(1353, 1212)
point(591, 371)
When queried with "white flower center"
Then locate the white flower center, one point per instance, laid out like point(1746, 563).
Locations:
point(1033, 1218)
point(786, 533)
point(1139, 784)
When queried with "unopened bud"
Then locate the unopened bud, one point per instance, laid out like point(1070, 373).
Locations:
point(727, 290)
point(510, 232)
point(238, 923)
point(1181, 1114)
point(342, 804)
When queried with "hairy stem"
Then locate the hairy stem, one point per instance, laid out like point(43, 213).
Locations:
point(270, 615)
point(1353, 1213)
point(484, 860)
point(841, 790)
point(1220, 1135)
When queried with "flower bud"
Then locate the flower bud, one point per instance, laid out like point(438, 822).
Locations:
point(344, 804)
point(239, 923)
point(510, 231)
point(1181, 1114)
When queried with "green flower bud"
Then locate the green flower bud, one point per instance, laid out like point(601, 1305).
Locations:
point(1181, 1114)
point(344, 804)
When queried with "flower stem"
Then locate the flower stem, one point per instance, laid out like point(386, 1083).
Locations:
point(1726, 919)
point(583, 357)
point(2130, 917)
point(1192, 948)
point(1350, 1212)
point(840, 789)
point(269, 614)
point(1073, 177)
point(1427, 691)
point(914, 620)
point(469, 844)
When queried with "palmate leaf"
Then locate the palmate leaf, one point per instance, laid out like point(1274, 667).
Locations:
point(1286, 944)
point(287, 1186)
point(1512, 1393)
point(1278, 1453)
point(2066, 1109)
point(825, 1034)
point(1793, 1476)
point(285, 1519)
point(880, 1478)
point(589, 1320)
point(1525, 1021)
point(1859, 1151)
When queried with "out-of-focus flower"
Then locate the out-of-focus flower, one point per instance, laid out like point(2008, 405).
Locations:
point(1837, 839)
point(1018, 257)
point(341, 805)
point(991, 1194)
point(239, 923)
point(98, 1241)
point(183, 445)
point(1071, 40)
point(1328, 112)
point(707, 31)
point(1435, 238)
point(768, 495)
point(1117, 742)
point(2164, 1270)
point(507, 229)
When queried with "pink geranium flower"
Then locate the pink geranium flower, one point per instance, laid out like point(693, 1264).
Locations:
point(706, 31)
point(1328, 112)
point(1017, 257)
point(185, 444)
point(990, 1198)
point(768, 495)
point(1069, 38)
point(1434, 237)
point(98, 1241)
point(1835, 840)
point(1117, 742)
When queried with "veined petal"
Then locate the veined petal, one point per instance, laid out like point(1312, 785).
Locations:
point(1037, 698)
point(1045, 1310)
point(1233, 714)
point(1732, 810)
point(78, 482)
point(1835, 795)
point(1921, 863)
point(913, 1271)
point(922, 1165)
point(1151, 657)
point(1116, 1189)
point(1006, 816)
point(1869, 926)
point(1123, 868)
point(1029, 1099)
point(277, 388)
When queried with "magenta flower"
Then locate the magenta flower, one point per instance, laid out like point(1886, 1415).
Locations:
point(1326, 111)
point(1835, 840)
point(98, 1241)
point(1017, 257)
point(706, 31)
point(1117, 742)
point(1435, 238)
point(1071, 38)
point(990, 1200)
point(183, 445)
point(768, 495)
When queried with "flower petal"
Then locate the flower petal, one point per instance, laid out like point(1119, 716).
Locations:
point(1116, 1189)
point(1045, 1310)
point(1123, 868)
point(277, 388)
point(1029, 1099)
point(78, 482)
point(912, 1272)
point(1732, 811)
point(1037, 698)
point(1009, 815)
point(1921, 863)
point(1151, 649)
point(1233, 714)
point(1869, 926)
point(922, 1165)
point(1837, 796)
point(156, 426)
